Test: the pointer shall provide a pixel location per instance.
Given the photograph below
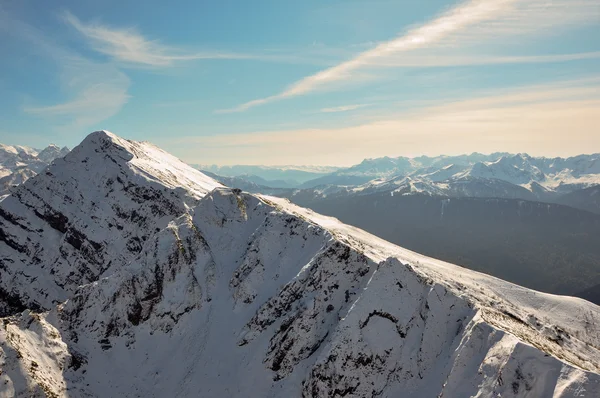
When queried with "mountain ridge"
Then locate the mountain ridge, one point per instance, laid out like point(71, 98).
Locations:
point(232, 294)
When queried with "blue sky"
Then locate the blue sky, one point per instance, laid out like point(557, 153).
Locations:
point(312, 82)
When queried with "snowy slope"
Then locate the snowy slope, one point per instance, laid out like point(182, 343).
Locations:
point(9, 152)
point(440, 174)
point(242, 295)
point(404, 185)
point(455, 187)
point(88, 211)
point(12, 157)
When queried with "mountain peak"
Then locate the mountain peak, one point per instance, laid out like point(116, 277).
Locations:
point(92, 209)
point(143, 159)
point(52, 152)
point(106, 142)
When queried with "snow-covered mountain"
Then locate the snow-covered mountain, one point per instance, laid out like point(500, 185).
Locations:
point(388, 167)
point(365, 171)
point(555, 174)
point(500, 175)
point(12, 157)
point(52, 152)
point(507, 176)
point(517, 169)
point(12, 154)
point(455, 187)
point(18, 163)
point(89, 211)
point(140, 276)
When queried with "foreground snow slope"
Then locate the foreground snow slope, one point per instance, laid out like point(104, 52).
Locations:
point(243, 295)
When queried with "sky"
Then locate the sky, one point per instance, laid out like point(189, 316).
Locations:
point(313, 82)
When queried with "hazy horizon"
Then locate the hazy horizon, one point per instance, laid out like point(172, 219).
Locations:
point(200, 163)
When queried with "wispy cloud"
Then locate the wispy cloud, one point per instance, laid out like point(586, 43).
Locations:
point(131, 47)
point(480, 59)
point(344, 108)
point(97, 92)
point(469, 23)
point(94, 91)
point(531, 119)
point(526, 19)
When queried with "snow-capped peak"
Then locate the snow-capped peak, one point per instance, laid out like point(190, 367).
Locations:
point(146, 161)
point(89, 211)
point(52, 152)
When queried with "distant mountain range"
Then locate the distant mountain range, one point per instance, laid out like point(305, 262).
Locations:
point(568, 181)
point(19, 163)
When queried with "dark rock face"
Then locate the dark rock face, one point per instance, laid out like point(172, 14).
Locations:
point(313, 321)
point(173, 253)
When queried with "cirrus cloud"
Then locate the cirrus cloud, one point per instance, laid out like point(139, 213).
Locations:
point(130, 47)
point(471, 23)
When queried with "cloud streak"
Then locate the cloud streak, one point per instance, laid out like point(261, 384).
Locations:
point(469, 13)
point(469, 23)
point(425, 61)
point(343, 108)
point(130, 47)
